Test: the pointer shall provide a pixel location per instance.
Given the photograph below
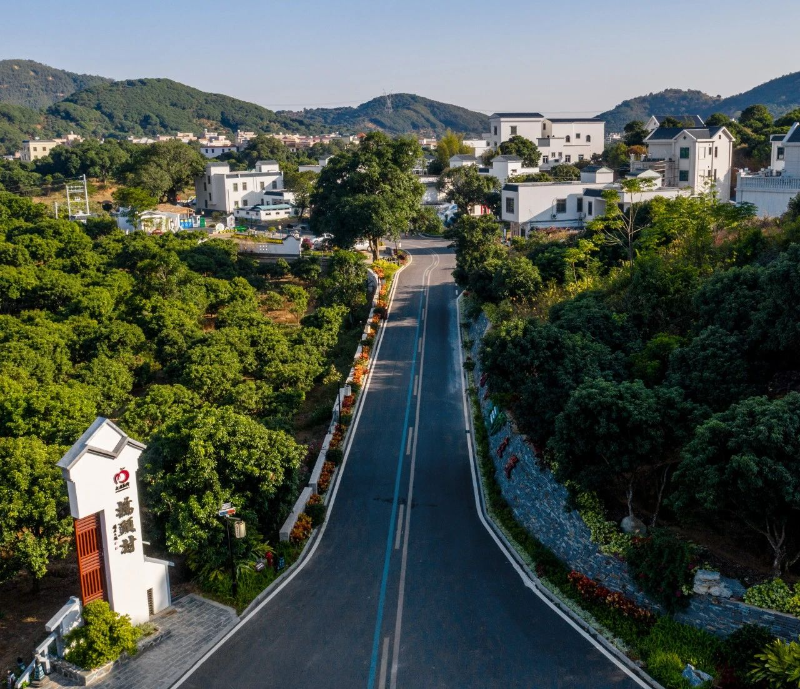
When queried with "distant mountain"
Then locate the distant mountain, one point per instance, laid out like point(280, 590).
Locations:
point(779, 95)
point(34, 85)
point(669, 102)
point(398, 114)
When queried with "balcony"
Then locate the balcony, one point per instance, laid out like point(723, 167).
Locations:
point(768, 183)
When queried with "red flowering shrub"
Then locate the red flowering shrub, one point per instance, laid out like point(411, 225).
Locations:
point(301, 529)
point(325, 476)
point(591, 590)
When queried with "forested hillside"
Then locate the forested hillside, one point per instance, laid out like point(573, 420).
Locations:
point(408, 113)
point(34, 85)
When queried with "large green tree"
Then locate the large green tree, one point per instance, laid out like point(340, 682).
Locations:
point(522, 147)
point(745, 463)
point(165, 168)
point(35, 524)
point(466, 187)
point(369, 192)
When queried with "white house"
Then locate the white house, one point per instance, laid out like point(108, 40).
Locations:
point(480, 145)
point(100, 471)
point(530, 206)
point(771, 190)
point(463, 160)
point(505, 166)
point(266, 213)
point(690, 157)
point(561, 140)
point(322, 162)
point(221, 190)
point(215, 150)
point(655, 121)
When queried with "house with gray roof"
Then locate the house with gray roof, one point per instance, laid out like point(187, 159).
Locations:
point(771, 189)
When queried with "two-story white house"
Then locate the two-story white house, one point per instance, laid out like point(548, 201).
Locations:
point(770, 190)
point(698, 158)
point(224, 191)
point(531, 206)
point(560, 140)
point(502, 167)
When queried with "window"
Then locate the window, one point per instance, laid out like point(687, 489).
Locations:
point(577, 136)
point(263, 203)
point(715, 175)
point(274, 183)
point(235, 204)
point(509, 204)
point(567, 139)
point(494, 130)
point(591, 207)
point(579, 201)
point(261, 186)
point(561, 205)
point(580, 156)
point(209, 179)
point(244, 186)
point(235, 186)
point(567, 158)
point(684, 151)
point(205, 187)
point(545, 159)
point(781, 152)
point(513, 130)
point(683, 176)
point(588, 138)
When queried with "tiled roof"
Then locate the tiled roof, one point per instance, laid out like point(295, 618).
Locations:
point(696, 120)
point(517, 114)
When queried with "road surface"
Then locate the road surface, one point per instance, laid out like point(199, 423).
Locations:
point(409, 597)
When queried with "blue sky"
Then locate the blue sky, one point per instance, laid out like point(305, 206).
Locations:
point(561, 56)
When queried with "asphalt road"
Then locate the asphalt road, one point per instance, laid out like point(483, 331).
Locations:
point(419, 597)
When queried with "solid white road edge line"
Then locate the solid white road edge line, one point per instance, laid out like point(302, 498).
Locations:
point(526, 580)
point(306, 557)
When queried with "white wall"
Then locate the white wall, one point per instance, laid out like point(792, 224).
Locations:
point(221, 190)
point(501, 128)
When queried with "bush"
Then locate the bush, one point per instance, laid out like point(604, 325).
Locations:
point(604, 532)
point(104, 635)
point(317, 513)
point(775, 595)
point(778, 665)
point(671, 645)
point(306, 268)
point(301, 529)
point(738, 651)
point(335, 455)
point(663, 567)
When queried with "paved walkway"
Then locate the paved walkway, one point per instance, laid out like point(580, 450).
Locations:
point(193, 625)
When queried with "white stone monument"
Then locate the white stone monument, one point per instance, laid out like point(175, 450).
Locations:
point(100, 470)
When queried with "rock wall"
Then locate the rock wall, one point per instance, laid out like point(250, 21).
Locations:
point(539, 503)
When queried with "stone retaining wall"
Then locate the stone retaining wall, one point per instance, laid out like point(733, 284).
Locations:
point(539, 503)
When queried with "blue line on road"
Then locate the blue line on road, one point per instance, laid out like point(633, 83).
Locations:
point(373, 667)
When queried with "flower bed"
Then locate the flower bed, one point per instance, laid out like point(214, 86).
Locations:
point(302, 528)
point(325, 477)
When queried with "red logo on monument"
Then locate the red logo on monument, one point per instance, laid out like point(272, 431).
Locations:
point(122, 480)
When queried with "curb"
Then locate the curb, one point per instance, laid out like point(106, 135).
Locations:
point(512, 552)
point(346, 442)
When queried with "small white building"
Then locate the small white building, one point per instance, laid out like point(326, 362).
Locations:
point(656, 121)
point(215, 150)
point(560, 139)
point(100, 470)
point(479, 145)
point(505, 166)
point(322, 162)
point(689, 157)
point(770, 190)
point(221, 190)
point(529, 206)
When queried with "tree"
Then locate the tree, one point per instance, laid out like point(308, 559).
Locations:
point(35, 525)
point(635, 133)
point(369, 192)
point(135, 201)
point(302, 184)
point(448, 145)
point(466, 187)
point(478, 252)
point(617, 155)
point(346, 283)
point(522, 147)
point(204, 458)
point(756, 117)
point(718, 119)
point(298, 300)
point(104, 636)
point(619, 227)
point(530, 177)
point(165, 168)
point(565, 172)
point(745, 463)
point(427, 221)
point(158, 406)
point(517, 280)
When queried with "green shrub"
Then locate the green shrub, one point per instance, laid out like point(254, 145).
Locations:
point(317, 513)
point(605, 533)
point(346, 418)
point(469, 365)
point(778, 665)
point(738, 651)
point(671, 645)
point(775, 595)
point(104, 635)
point(355, 388)
point(335, 455)
point(662, 565)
